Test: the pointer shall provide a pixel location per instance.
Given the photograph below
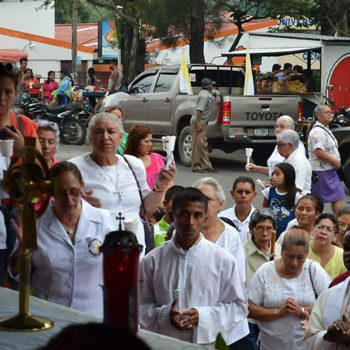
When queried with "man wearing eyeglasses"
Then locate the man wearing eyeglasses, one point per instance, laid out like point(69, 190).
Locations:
point(114, 81)
point(285, 122)
point(287, 145)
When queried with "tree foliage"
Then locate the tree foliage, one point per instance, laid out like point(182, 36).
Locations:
point(183, 20)
point(87, 13)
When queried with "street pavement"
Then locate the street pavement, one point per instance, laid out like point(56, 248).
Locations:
point(229, 167)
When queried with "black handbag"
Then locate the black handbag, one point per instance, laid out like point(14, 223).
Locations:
point(148, 228)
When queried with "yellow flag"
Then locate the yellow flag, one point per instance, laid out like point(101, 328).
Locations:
point(185, 83)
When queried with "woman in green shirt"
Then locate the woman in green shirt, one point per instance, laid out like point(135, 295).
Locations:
point(322, 250)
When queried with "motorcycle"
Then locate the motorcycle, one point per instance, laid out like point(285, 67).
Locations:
point(72, 130)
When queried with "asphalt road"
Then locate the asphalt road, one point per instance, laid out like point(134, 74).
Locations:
point(228, 166)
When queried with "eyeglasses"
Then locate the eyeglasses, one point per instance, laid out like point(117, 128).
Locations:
point(281, 127)
point(73, 192)
point(261, 229)
point(324, 229)
point(281, 144)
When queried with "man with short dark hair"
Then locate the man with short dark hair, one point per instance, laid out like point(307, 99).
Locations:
point(276, 68)
point(287, 69)
point(243, 193)
point(199, 121)
point(23, 62)
point(190, 288)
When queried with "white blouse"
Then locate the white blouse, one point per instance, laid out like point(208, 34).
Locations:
point(268, 289)
point(321, 137)
point(116, 187)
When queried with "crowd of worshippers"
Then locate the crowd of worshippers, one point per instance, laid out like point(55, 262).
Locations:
point(266, 278)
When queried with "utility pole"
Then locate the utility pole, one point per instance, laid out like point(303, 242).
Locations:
point(74, 36)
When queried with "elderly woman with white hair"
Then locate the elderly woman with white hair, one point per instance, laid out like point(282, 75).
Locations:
point(116, 182)
point(287, 144)
point(325, 159)
point(49, 138)
point(216, 230)
point(284, 122)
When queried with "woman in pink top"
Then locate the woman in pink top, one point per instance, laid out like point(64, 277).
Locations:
point(139, 144)
point(50, 85)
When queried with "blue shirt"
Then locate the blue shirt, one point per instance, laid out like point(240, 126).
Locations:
point(277, 205)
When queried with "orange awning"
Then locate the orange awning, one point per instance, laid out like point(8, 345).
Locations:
point(11, 55)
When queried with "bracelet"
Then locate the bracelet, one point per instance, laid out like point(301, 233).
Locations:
point(302, 313)
point(158, 189)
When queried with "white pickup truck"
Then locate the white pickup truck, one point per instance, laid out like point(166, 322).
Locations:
point(154, 99)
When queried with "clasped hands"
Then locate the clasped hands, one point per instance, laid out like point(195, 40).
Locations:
point(339, 332)
point(183, 320)
point(290, 306)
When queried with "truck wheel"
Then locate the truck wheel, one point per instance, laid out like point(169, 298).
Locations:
point(262, 154)
point(346, 172)
point(184, 146)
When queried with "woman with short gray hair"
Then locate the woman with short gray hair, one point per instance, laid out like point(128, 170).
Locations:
point(117, 182)
point(283, 290)
point(284, 122)
point(49, 138)
point(324, 158)
point(216, 230)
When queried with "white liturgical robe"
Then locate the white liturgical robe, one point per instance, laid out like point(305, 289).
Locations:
point(330, 306)
point(213, 283)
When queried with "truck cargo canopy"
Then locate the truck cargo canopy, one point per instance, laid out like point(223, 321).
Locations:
point(272, 51)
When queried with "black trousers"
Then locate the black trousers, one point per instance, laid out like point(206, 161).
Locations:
point(242, 344)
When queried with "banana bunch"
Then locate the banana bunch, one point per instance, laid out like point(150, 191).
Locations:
point(296, 87)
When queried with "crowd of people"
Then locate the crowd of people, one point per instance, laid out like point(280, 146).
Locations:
point(260, 277)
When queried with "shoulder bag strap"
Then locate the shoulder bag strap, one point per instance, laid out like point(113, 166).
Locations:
point(332, 136)
point(19, 123)
point(137, 182)
point(312, 282)
point(148, 228)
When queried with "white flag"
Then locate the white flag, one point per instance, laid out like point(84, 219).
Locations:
point(249, 81)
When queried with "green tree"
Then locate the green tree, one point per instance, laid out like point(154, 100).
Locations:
point(244, 11)
point(183, 19)
point(130, 12)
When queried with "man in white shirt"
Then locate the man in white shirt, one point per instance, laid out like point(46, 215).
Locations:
point(287, 144)
point(329, 326)
point(243, 193)
point(213, 297)
point(287, 69)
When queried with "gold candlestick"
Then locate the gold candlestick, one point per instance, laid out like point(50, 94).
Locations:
point(27, 182)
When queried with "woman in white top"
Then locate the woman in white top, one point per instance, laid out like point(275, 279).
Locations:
point(67, 267)
point(282, 290)
point(216, 230)
point(113, 181)
point(282, 123)
point(324, 158)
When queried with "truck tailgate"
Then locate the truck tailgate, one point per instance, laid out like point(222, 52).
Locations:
point(255, 116)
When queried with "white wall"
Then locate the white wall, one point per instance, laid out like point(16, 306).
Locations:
point(26, 17)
